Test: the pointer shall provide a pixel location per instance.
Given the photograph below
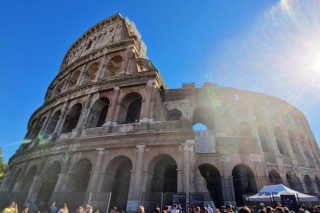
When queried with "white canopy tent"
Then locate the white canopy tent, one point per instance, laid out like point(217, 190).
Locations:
point(273, 192)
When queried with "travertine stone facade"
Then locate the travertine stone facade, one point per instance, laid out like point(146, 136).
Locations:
point(111, 133)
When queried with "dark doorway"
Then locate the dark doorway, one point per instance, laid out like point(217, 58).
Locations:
point(243, 182)
point(213, 179)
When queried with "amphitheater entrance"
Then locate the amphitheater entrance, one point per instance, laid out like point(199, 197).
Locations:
point(293, 182)
point(243, 182)
point(117, 181)
point(162, 181)
point(50, 178)
point(26, 184)
point(76, 185)
point(213, 179)
point(165, 175)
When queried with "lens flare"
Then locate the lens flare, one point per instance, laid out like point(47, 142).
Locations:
point(279, 54)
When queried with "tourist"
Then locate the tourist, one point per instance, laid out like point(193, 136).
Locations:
point(229, 208)
point(88, 209)
point(197, 209)
point(278, 210)
point(52, 208)
point(166, 209)
point(24, 209)
point(223, 209)
point(217, 210)
point(64, 209)
point(113, 210)
point(305, 209)
point(95, 211)
point(245, 209)
point(174, 209)
point(140, 209)
point(209, 209)
point(12, 208)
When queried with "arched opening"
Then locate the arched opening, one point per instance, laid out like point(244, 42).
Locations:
point(213, 179)
point(243, 182)
point(174, 115)
point(26, 183)
point(114, 66)
point(91, 73)
point(283, 149)
point(130, 108)
point(89, 45)
point(308, 182)
point(274, 178)
point(37, 129)
point(14, 180)
point(72, 118)
point(244, 129)
point(80, 176)
point(263, 135)
point(293, 142)
point(60, 87)
point(293, 182)
point(98, 113)
point(52, 124)
point(162, 94)
point(117, 181)
point(73, 80)
point(165, 174)
point(50, 180)
point(205, 116)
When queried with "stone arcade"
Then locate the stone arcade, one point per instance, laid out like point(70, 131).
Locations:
point(110, 131)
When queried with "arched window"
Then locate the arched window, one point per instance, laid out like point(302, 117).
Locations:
point(174, 114)
point(89, 45)
point(114, 66)
point(204, 116)
point(293, 142)
point(130, 108)
point(274, 177)
point(72, 118)
point(60, 87)
point(280, 141)
point(91, 73)
point(244, 129)
point(262, 131)
point(98, 113)
point(37, 129)
point(74, 79)
point(52, 124)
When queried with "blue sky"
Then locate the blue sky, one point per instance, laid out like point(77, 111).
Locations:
point(248, 44)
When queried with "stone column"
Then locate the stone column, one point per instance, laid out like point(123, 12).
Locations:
point(61, 180)
point(83, 117)
point(138, 175)
point(61, 118)
point(97, 170)
point(111, 112)
point(66, 85)
point(146, 109)
point(101, 68)
point(45, 123)
point(180, 180)
point(82, 72)
point(186, 167)
point(34, 189)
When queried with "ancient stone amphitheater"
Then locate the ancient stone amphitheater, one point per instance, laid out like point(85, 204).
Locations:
point(110, 133)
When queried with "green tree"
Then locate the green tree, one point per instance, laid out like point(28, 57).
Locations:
point(3, 167)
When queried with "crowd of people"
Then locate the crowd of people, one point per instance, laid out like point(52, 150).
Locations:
point(277, 208)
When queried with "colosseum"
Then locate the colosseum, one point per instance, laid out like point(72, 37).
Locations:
point(111, 133)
